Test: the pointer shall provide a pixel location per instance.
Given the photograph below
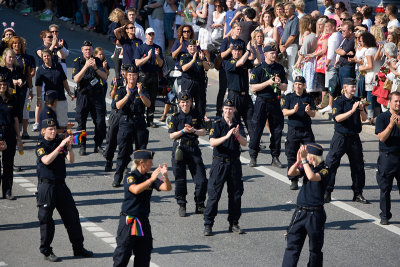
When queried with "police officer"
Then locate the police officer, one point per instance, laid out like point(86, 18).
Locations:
point(134, 230)
point(309, 216)
point(267, 81)
point(149, 59)
point(87, 72)
point(347, 113)
point(113, 119)
point(299, 107)
point(388, 130)
point(194, 66)
point(9, 136)
point(53, 193)
point(49, 109)
point(237, 75)
point(184, 128)
point(131, 102)
point(226, 137)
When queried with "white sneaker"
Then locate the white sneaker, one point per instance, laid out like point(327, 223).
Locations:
point(35, 127)
point(326, 109)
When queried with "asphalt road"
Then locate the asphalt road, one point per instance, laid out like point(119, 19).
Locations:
point(353, 236)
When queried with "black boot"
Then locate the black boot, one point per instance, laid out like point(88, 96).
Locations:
point(276, 162)
point(108, 167)
point(200, 209)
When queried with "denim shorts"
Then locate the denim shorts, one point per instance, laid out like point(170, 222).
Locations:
point(169, 19)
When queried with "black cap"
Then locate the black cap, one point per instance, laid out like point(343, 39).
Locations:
point(271, 47)
point(87, 43)
point(143, 154)
point(315, 149)
point(237, 45)
point(350, 81)
point(191, 42)
point(125, 66)
point(52, 94)
point(3, 78)
point(184, 95)
point(48, 123)
point(132, 69)
point(300, 79)
point(229, 103)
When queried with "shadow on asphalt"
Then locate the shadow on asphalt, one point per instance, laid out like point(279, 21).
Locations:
point(344, 225)
point(95, 255)
point(181, 249)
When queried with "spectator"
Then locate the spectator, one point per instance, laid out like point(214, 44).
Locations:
point(218, 25)
point(339, 9)
point(266, 5)
point(204, 11)
point(127, 38)
point(156, 21)
point(328, 8)
point(230, 5)
point(131, 14)
point(279, 11)
point(116, 17)
point(99, 53)
point(357, 19)
point(248, 24)
point(391, 13)
point(184, 34)
point(381, 20)
point(346, 50)
point(391, 53)
point(55, 30)
point(366, 11)
point(359, 60)
point(241, 6)
point(316, 14)
point(258, 38)
point(170, 9)
point(270, 32)
point(300, 7)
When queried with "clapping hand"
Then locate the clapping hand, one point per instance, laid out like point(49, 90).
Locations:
point(303, 152)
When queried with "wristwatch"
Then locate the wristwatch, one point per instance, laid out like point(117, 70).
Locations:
point(304, 161)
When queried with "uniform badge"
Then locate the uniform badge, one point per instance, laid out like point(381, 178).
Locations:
point(130, 179)
point(324, 172)
point(73, 70)
point(232, 61)
point(181, 62)
point(282, 102)
point(211, 132)
point(170, 124)
point(333, 111)
point(40, 151)
point(115, 97)
point(252, 76)
point(137, 45)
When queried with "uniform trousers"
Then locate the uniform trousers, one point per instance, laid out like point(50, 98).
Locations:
point(350, 145)
point(150, 83)
point(197, 90)
point(112, 133)
point(191, 158)
point(7, 160)
point(57, 196)
point(305, 223)
point(244, 107)
point(229, 171)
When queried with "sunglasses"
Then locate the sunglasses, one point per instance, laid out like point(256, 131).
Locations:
point(217, 5)
point(151, 33)
point(130, 28)
point(342, 19)
point(337, 8)
point(53, 31)
point(186, 31)
point(50, 37)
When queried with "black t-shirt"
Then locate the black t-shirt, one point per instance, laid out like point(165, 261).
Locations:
point(196, 71)
point(138, 205)
point(237, 77)
point(89, 75)
point(134, 105)
point(150, 65)
point(183, 50)
point(56, 170)
point(129, 46)
point(53, 79)
point(300, 118)
point(231, 147)
point(8, 111)
point(247, 28)
point(263, 73)
point(351, 125)
point(347, 45)
point(178, 121)
point(392, 144)
point(24, 61)
point(54, 56)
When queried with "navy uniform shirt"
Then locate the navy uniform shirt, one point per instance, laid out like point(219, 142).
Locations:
point(178, 121)
point(8, 111)
point(120, 89)
point(138, 205)
point(263, 73)
point(56, 170)
point(54, 55)
point(183, 50)
point(150, 65)
point(196, 71)
point(24, 62)
point(300, 118)
point(351, 125)
point(237, 77)
point(134, 105)
point(392, 144)
point(231, 147)
point(312, 193)
point(47, 113)
point(129, 46)
point(53, 79)
point(90, 73)
point(225, 45)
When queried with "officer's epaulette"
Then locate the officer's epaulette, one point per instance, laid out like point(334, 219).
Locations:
point(217, 121)
point(173, 114)
point(335, 98)
point(78, 58)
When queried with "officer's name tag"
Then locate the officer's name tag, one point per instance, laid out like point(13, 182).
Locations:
point(94, 82)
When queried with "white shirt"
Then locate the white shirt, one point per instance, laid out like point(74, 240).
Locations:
point(367, 22)
point(333, 43)
point(394, 23)
point(139, 32)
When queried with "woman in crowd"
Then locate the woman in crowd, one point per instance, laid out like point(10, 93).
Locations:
point(257, 40)
point(126, 37)
point(218, 23)
point(205, 11)
point(7, 34)
point(279, 11)
point(270, 32)
point(185, 33)
point(339, 9)
point(391, 52)
point(359, 60)
point(116, 17)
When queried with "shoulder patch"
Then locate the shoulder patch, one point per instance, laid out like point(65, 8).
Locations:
point(283, 101)
point(211, 132)
point(40, 151)
point(252, 76)
point(233, 61)
point(333, 111)
point(336, 98)
point(76, 59)
point(130, 179)
point(170, 125)
point(324, 171)
point(115, 97)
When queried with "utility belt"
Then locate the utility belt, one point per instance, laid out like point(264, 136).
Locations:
point(237, 93)
point(92, 87)
point(48, 181)
point(223, 159)
point(189, 142)
point(132, 117)
point(347, 134)
point(136, 229)
point(310, 208)
point(268, 99)
point(395, 153)
point(297, 128)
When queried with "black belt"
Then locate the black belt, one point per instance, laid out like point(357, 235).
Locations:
point(189, 142)
point(238, 93)
point(348, 134)
point(132, 116)
point(225, 159)
point(140, 218)
point(310, 208)
point(300, 128)
point(268, 100)
point(48, 181)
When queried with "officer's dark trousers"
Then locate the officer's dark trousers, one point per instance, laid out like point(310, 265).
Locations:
point(141, 246)
point(130, 130)
point(221, 91)
point(388, 168)
point(50, 197)
point(150, 83)
point(244, 107)
point(266, 109)
point(192, 159)
point(305, 223)
point(21, 95)
point(296, 136)
point(112, 133)
point(350, 145)
point(94, 104)
point(231, 173)
point(7, 160)
point(197, 90)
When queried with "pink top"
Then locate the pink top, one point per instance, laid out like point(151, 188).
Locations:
point(321, 60)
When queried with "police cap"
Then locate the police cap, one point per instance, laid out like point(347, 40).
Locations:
point(315, 149)
point(229, 103)
point(300, 79)
point(132, 69)
point(237, 45)
point(51, 95)
point(87, 43)
point(48, 123)
point(184, 95)
point(3, 78)
point(350, 81)
point(143, 154)
point(270, 47)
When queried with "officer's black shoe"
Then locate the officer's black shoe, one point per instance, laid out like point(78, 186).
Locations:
point(384, 221)
point(207, 230)
point(253, 162)
point(327, 197)
point(10, 197)
point(98, 149)
point(115, 184)
point(82, 151)
point(360, 198)
point(108, 166)
point(235, 228)
point(153, 125)
point(51, 257)
point(276, 162)
point(182, 211)
point(84, 253)
point(294, 185)
point(200, 209)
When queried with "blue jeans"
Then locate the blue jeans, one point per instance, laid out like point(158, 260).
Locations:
point(371, 108)
point(346, 71)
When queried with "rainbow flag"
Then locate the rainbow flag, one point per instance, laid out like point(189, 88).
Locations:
point(136, 225)
point(78, 136)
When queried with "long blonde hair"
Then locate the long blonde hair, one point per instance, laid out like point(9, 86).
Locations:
point(3, 57)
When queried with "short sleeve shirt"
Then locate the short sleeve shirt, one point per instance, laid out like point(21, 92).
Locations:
point(196, 71)
point(56, 170)
point(300, 118)
point(392, 144)
point(351, 125)
point(178, 121)
point(8, 111)
point(237, 77)
point(150, 65)
point(263, 73)
point(134, 105)
point(53, 79)
point(231, 147)
point(291, 29)
point(129, 46)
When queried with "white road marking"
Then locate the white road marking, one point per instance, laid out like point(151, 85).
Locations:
point(31, 189)
point(21, 180)
point(27, 185)
point(2, 263)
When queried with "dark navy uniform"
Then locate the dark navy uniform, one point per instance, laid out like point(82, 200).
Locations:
point(226, 167)
point(90, 99)
point(53, 79)
point(194, 81)
point(8, 115)
point(132, 128)
point(129, 46)
point(238, 90)
point(388, 163)
point(299, 126)
point(346, 140)
point(308, 219)
point(189, 145)
point(135, 211)
point(267, 107)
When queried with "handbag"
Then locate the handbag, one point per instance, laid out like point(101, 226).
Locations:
point(200, 22)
